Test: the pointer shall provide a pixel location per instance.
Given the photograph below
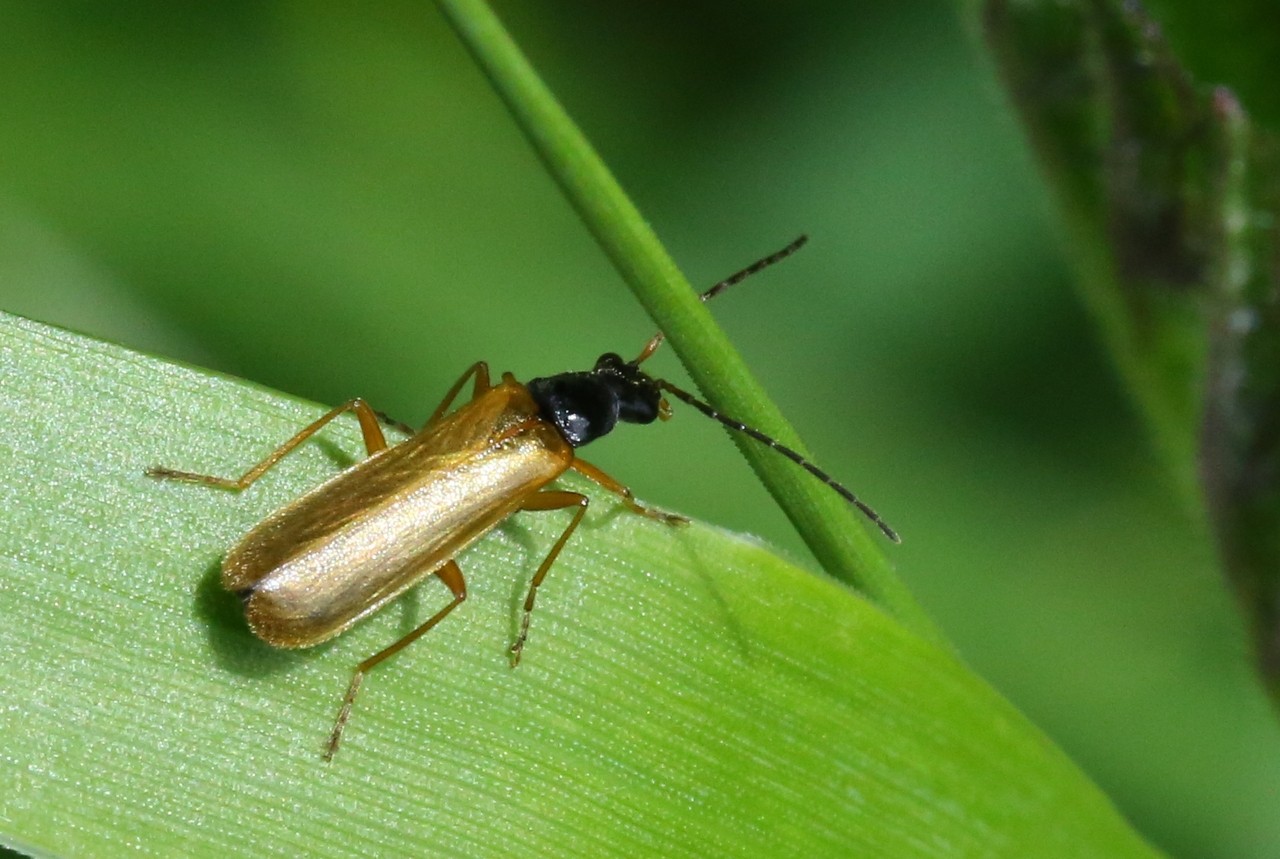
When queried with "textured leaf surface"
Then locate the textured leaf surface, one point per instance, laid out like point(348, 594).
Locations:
point(685, 692)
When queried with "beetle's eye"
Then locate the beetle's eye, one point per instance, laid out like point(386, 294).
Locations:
point(609, 361)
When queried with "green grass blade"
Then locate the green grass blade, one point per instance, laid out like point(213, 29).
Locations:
point(685, 692)
point(825, 522)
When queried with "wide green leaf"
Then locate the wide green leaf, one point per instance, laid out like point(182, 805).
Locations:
point(685, 691)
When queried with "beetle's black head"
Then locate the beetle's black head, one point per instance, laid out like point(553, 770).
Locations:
point(585, 406)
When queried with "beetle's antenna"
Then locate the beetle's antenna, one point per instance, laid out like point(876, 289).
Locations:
point(785, 451)
point(731, 280)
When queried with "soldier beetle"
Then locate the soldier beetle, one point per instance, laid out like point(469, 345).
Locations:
point(353, 544)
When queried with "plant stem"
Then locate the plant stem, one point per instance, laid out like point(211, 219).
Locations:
point(824, 521)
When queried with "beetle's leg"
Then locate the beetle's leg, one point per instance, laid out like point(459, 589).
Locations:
point(592, 472)
point(451, 575)
point(373, 442)
point(481, 371)
point(550, 500)
point(395, 424)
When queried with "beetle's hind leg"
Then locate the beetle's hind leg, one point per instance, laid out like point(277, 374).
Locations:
point(451, 575)
point(374, 441)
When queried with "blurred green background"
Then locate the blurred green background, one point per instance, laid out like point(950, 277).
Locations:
point(326, 198)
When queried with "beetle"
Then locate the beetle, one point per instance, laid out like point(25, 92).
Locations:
point(345, 549)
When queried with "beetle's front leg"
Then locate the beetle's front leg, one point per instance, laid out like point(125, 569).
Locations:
point(593, 473)
point(480, 370)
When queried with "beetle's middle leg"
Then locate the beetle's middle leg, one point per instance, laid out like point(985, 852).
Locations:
point(552, 499)
point(374, 441)
point(451, 575)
